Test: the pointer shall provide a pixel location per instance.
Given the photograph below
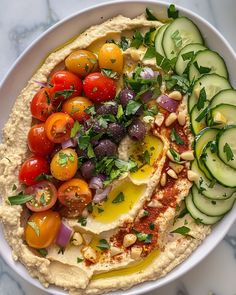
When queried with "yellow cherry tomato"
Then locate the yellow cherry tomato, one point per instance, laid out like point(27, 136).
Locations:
point(64, 164)
point(42, 229)
point(82, 62)
point(110, 57)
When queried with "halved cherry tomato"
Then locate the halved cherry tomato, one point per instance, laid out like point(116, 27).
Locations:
point(64, 164)
point(69, 212)
point(65, 85)
point(75, 194)
point(58, 127)
point(110, 57)
point(75, 107)
point(38, 142)
point(31, 168)
point(45, 196)
point(42, 229)
point(99, 88)
point(41, 106)
point(82, 62)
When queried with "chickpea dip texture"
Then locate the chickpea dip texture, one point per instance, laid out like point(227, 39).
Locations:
point(143, 241)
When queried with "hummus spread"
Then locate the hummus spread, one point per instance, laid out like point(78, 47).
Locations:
point(154, 193)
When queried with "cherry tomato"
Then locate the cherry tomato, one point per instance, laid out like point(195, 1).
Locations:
point(38, 142)
point(64, 164)
point(110, 57)
point(41, 106)
point(75, 194)
point(65, 85)
point(58, 127)
point(75, 107)
point(45, 196)
point(42, 229)
point(82, 62)
point(69, 212)
point(99, 88)
point(31, 168)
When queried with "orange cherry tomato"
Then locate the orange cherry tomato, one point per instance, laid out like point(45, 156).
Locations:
point(42, 229)
point(58, 127)
point(110, 57)
point(75, 107)
point(75, 194)
point(82, 62)
point(64, 164)
point(38, 142)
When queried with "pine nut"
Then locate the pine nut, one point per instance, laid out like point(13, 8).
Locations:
point(89, 254)
point(129, 240)
point(181, 118)
point(172, 174)
point(77, 239)
point(187, 156)
point(176, 95)
point(170, 119)
point(115, 251)
point(176, 167)
point(135, 55)
point(159, 119)
point(136, 252)
point(87, 238)
point(192, 176)
point(163, 179)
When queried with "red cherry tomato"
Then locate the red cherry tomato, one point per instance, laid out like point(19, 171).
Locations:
point(99, 88)
point(58, 127)
point(65, 85)
point(45, 196)
point(38, 142)
point(31, 168)
point(41, 106)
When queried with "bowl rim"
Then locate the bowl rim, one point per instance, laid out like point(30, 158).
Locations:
point(148, 285)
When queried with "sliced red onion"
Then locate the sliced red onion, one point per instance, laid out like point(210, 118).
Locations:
point(42, 84)
point(64, 235)
point(147, 73)
point(101, 194)
point(167, 103)
point(72, 142)
point(147, 96)
point(96, 182)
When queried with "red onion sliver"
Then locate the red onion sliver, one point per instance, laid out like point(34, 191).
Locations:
point(96, 183)
point(147, 73)
point(147, 96)
point(167, 103)
point(64, 235)
point(42, 84)
point(101, 194)
point(69, 143)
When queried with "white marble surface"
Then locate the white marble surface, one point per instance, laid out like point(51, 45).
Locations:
point(21, 21)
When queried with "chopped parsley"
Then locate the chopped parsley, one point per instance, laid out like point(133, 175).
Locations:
point(83, 221)
point(201, 69)
point(151, 111)
point(132, 107)
point(202, 99)
point(188, 55)
point(65, 158)
point(137, 40)
point(14, 187)
point(35, 227)
point(150, 53)
point(172, 12)
point(228, 151)
point(44, 176)
point(150, 15)
point(79, 260)
point(183, 230)
point(119, 198)
point(124, 43)
point(84, 141)
point(109, 73)
point(75, 129)
point(174, 136)
point(66, 93)
point(148, 41)
point(20, 199)
point(203, 114)
point(43, 252)
point(103, 245)
point(175, 155)
point(143, 237)
point(152, 226)
point(61, 251)
point(146, 157)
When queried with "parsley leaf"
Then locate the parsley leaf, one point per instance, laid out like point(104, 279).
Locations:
point(43, 252)
point(150, 15)
point(137, 40)
point(188, 55)
point(202, 114)
point(79, 260)
point(119, 198)
point(202, 99)
point(150, 53)
point(20, 199)
point(146, 157)
point(228, 151)
point(201, 69)
point(148, 37)
point(174, 136)
point(132, 107)
point(83, 221)
point(183, 230)
point(44, 176)
point(83, 141)
point(124, 43)
point(66, 93)
point(64, 158)
point(109, 73)
point(172, 12)
point(35, 227)
point(175, 155)
point(143, 237)
point(103, 245)
point(75, 129)
point(151, 111)
point(152, 226)
point(163, 62)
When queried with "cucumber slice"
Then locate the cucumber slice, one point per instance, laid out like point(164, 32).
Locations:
point(227, 96)
point(210, 189)
point(198, 126)
point(212, 83)
point(226, 145)
point(181, 32)
point(205, 136)
point(212, 207)
point(198, 215)
point(158, 39)
point(211, 61)
point(181, 64)
point(227, 114)
point(221, 172)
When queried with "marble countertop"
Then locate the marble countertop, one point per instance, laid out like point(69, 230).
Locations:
point(20, 23)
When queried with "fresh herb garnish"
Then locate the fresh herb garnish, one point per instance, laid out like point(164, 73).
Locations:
point(201, 189)
point(100, 210)
point(150, 53)
point(42, 199)
point(188, 55)
point(201, 69)
point(150, 15)
point(228, 151)
point(151, 226)
point(83, 141)
point(66, 93)
point(164, 62)
point(148, 41)
point(203, 114)
point(83, 221)
point(172, 12)
point(146, 157)
point(213, 146)
point(124, 43)
point(120, 112)
point(176, 37)
point(143, 237)
point(64, 158)
point(202, 99)
point(183, 230)
point(212, 183)
point(137, 40)
point(79, 260)
point(174, 136)
point(175, 155)
point(109, 73)
point(153, 111)
point(61, 251)
point(90, 110)
point(132, 107)
point(20, 199)
point(75, 129)
point(44, 176)
point(103, 245)
point(35, 227)
point(182, 213)
point(119, 198)
point(14, 187)
point(43, 252)
point(179, 83)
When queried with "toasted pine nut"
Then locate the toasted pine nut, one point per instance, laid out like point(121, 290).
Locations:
point(170, 119)
point(176, 167)
point(181, 118)
point(135, 55)
point(154, 204)
point(129, 240)
point(176, 95)
point(187, 156)
point(159, 119)
point(163, 179)
point(136, 252)
point(90, 254)
point(192, 176)
point(87, 238)
point(115, 251)
point(172, 174)
point(77, 239)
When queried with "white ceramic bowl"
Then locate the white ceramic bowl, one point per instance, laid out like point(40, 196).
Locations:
point(28, 62)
